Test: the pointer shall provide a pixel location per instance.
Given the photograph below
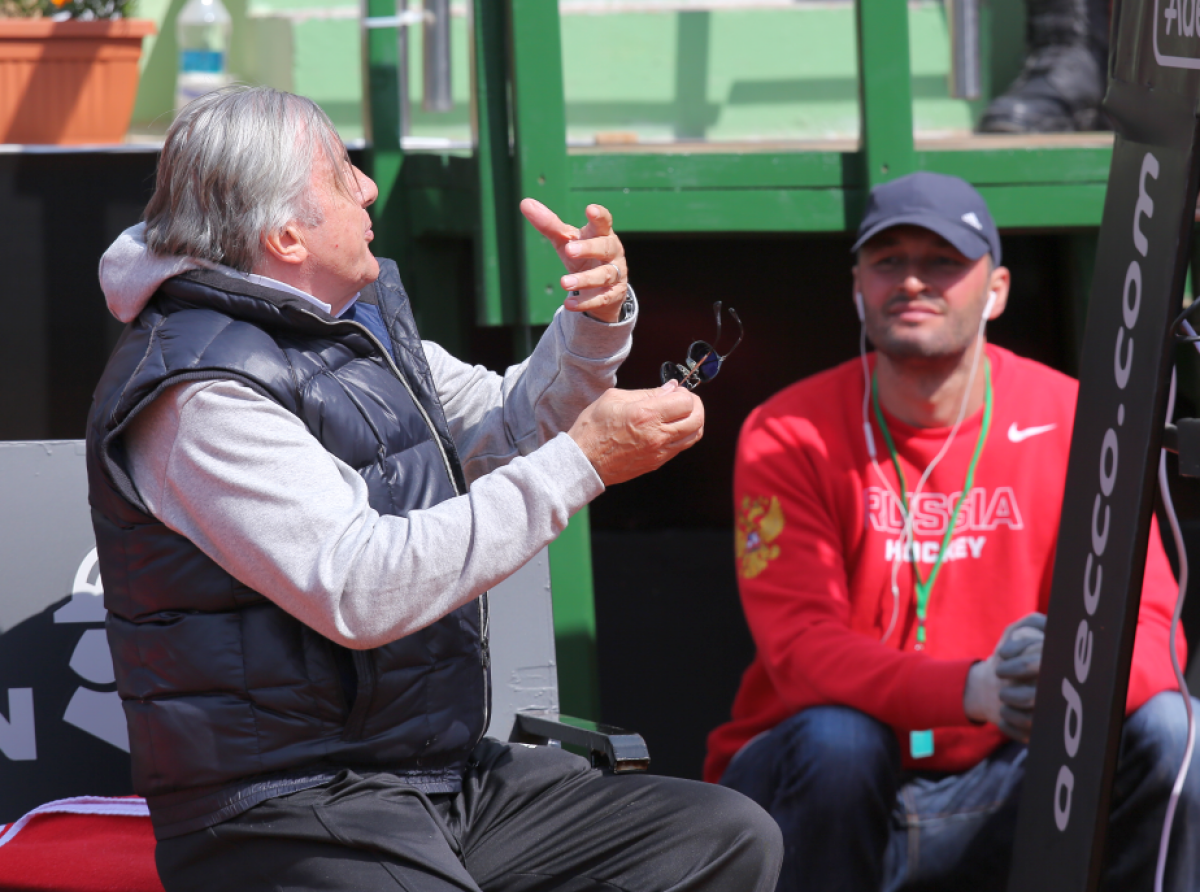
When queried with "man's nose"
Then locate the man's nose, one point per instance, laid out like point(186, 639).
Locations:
point(367, 189)
point(913, 285)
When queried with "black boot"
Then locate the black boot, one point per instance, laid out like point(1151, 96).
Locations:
point(1062, 83)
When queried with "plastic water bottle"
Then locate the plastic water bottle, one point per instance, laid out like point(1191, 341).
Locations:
point(202, 30)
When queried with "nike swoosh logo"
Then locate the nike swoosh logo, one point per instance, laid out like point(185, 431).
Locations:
point(1016, 435)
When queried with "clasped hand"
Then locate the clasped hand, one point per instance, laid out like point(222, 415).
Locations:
point(1002, 688)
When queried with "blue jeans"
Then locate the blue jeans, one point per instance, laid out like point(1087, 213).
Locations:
point(852, 820)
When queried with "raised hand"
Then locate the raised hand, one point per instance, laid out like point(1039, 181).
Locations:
point(594, 258)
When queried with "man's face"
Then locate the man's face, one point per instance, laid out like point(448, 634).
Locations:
point(339, 246)
point(922, 299)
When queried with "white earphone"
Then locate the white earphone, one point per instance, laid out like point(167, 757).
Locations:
point(906, 535)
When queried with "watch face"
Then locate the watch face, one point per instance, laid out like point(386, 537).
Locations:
point(627, 307)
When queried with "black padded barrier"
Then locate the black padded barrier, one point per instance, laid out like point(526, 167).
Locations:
point(1145, 238)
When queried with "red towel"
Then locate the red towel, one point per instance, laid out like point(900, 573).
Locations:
point(85, 844)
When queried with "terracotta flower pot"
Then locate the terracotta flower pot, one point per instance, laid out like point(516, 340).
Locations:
point(68, 83)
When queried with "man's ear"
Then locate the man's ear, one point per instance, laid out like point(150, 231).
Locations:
point(285, 246)
point(998, 283)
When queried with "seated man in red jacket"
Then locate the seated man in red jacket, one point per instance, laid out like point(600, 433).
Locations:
point(896, 525)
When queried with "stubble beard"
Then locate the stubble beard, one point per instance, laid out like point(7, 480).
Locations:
point(925, 351)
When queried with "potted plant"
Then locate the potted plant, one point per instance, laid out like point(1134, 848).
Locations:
point(68, 70)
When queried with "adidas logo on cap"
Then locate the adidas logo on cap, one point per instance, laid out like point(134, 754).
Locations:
point(970, 219)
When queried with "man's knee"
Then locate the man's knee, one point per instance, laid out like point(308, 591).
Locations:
point(839, 747)
point(825, 754)
point(748, 839)
point(1154, 743)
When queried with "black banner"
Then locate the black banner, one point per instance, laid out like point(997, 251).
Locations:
point(1154, 84)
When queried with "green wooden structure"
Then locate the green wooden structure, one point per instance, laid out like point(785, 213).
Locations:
point(521, 150)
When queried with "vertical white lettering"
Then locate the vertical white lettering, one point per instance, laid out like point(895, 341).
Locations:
point(1130, 309)
point(1109, 448)
point(1062, 797)
point(1091, 596)
point(1099, 539)
point(1074, 709)
point(1121, 372)
point(1083, 652)
point(1145, 204)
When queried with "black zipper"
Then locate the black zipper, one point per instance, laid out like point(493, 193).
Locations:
point(484, 618)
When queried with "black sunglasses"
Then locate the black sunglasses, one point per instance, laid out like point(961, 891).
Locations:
point(703, 361)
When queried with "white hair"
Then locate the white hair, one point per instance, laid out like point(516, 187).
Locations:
point(238, 164)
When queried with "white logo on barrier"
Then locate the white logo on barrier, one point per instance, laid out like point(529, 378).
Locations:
point(97, 712)
point(1178, 19)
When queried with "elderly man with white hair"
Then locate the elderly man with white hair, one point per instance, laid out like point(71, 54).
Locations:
point(299, 507)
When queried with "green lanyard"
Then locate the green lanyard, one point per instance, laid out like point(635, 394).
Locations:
point(925, 586)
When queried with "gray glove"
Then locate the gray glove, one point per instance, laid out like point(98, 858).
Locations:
point(1001, 689)
point(1019, 660)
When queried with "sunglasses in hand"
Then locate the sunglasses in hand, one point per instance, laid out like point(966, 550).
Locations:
point(703, 361)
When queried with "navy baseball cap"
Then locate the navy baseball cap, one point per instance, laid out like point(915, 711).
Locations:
point(946, 205)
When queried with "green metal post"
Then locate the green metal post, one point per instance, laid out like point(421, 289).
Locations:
point(429, 266)
point(385, 159)
point(540, 131)
point(496, 244)
point(575, 619)
point(885, 90)
point(541, 172)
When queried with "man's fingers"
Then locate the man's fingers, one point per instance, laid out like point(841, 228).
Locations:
point(1026, 664)
point(1019, 696)
point(603, 276)
point(677, 407)
point(600, 221)
point(1016, 723)
point(594, 302)
point(547, 222)
point(603, 248)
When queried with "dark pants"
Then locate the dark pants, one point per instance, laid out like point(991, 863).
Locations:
point(851, 820)
point(528, 818)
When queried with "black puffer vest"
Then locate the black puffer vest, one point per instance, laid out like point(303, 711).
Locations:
point(229, 699)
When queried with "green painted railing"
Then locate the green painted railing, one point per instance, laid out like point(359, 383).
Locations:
point(521, 150)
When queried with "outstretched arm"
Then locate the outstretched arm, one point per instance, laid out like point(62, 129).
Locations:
point(493, 418)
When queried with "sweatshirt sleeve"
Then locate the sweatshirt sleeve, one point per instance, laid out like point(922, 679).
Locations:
point(494, 418)
point(793, 582)
point(243, 479)
point(1151, 671)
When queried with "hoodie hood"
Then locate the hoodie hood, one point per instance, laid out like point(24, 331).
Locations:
point(130, 272)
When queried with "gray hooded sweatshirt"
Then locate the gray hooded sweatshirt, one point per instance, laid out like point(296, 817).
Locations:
point(244, 480)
